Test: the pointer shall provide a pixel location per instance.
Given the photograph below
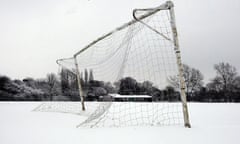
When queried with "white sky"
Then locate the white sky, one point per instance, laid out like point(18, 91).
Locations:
point(33, 33)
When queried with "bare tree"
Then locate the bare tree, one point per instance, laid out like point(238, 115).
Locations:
point(193, 79)
point(91, 78)
point(237, 84)
point(226, 74)
point(86, 76)
point(52, 83)
point(215, 84)
point(64, 78)
point(226, 82)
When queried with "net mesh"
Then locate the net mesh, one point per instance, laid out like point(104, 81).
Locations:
point(142, 55)
point(135, 51)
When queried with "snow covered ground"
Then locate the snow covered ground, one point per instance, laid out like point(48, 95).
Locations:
point(212, 123)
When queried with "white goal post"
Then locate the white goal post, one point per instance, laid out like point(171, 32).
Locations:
point(135, 63)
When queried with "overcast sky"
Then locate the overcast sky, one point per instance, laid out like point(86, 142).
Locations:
point(34, 33)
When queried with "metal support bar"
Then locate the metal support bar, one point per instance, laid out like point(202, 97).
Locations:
point(148, 26)
point(79, 84)
point(180, 66)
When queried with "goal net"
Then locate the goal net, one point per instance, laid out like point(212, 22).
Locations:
point(128, 72)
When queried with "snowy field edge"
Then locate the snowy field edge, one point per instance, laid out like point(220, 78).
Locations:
point(212, 123)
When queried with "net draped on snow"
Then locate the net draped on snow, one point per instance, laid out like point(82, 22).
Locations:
point(137, 51)
point(119, 114)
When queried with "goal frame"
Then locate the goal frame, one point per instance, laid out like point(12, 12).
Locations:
point(166, 6)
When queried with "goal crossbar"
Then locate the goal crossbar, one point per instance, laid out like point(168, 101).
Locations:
point(164, 6)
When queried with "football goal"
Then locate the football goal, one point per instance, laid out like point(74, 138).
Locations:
point(124, 76)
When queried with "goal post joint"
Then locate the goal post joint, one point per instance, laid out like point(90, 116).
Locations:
point(166, 6)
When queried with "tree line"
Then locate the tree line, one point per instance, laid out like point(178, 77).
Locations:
point(224, 87)
point(29, 89)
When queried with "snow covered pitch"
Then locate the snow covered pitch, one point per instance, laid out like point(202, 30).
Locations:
point(212, 123)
